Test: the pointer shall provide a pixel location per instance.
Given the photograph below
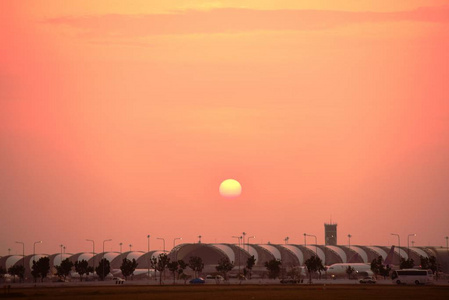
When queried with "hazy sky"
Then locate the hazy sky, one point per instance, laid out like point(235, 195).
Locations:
point(120, 119)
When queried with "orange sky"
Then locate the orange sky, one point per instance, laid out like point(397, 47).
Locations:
point(121, 120)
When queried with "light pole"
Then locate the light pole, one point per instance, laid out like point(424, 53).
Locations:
point(286, 240)
point(243, 240)
point(163, 240)
point(250, 237)
point(34, 249)
point(399, 246)
point(408, 242)
point(148, 254)
point(199, 239)
point(130, 247)
point(447, 245)
point(93, 254)
point(120, 248)
point(104, 241)
point(64, 249)
point(349, 240)
point(9, 251)
point(238, 241)
point(305, 239)
point(23, 252)
point(316, 247)
point(62, 246)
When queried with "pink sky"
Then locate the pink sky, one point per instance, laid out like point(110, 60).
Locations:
point(121, 120)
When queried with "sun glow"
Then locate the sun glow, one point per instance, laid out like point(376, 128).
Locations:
point(230, 188)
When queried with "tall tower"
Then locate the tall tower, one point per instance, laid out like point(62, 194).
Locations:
point(330, 234)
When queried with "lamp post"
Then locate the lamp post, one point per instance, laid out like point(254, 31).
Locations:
point(238, 241)
point(199, 239)
point(349, 240)
point(23, 252)
point(34, 249)
point(130, 247)
point(399, 246)
point(250, 237)
point(120, 247)
point(408, 242)
point(243, 240)
point(305, 239)
point(163, 242)
point(316, 247)
point(286, 240)
point(9, 251)
point(148, 254)
point(62, 246)
point(104, 241)
point(447, 245)
point(93, 254)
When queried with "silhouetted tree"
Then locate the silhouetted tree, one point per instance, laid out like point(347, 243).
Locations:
point(196, 264)
point(273, 267)
point(40, 268)
point(63, 270)
point(379, 268)
point(224, 266)
point(159, 264)
point(103, 269)
point(2, 272)
point(406, 263)
point(250, 262)
point(349, 271)
point(182, 265)
point(314, 264)
point(173, 267)
point(128, 267)
point(82, 267)
point(17, 270)
point(429, 263)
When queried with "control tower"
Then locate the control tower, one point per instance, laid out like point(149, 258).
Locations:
point(330, 234)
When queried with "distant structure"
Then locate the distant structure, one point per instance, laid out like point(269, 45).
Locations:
point(330, 234)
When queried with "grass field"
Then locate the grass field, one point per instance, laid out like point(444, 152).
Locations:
point(247, 292)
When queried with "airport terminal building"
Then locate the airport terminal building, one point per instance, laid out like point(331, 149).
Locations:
point(291, 255)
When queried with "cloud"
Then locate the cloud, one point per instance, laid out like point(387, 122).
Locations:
point(233, 20)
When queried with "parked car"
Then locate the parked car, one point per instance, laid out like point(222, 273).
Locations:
point(198, 280)
point(368, 279)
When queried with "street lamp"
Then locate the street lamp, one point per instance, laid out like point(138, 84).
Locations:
point(243, 240)
point(305, 239)
point(238, 241)
point(93, 253)
point(408, 242)
point(130, 247)
point(61, 254)
point(316, 247)
point(163, 240)
point(250, 237)
point(399, 245)
point(104, 241)
point(23, 252)
point(447, 245)
point(148, 254)
point(199, 239)
point(9, 251)
point(34, 249)
point(349, 240)
point(120, 247)
point(286, 240)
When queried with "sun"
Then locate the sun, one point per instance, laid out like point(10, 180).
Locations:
point(230, 188)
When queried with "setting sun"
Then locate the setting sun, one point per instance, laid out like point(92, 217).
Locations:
point(230, 188)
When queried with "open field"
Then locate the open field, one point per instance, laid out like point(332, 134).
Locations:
point(233, 292)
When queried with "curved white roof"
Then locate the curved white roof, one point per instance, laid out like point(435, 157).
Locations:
point(58, 258)
point(36, 258)
point(156, 253)
point(360, 252)
point(295, 250)
point(339, 251)
point(401, 253)
point(12, 260)
point(111, 255)
point(226, 250)
point(134, 254)
point(86, 256)
point(378, 250)
point(318, 251)
point(275, 252)
point(253, 251)
point(420, 252)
